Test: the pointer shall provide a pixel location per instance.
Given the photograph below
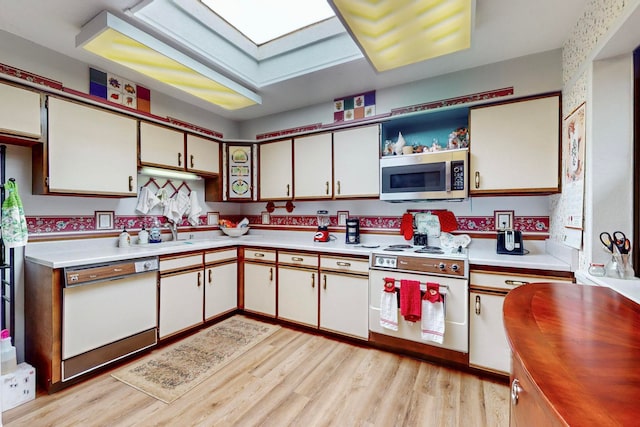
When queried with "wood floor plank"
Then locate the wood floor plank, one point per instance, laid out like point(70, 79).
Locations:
point(291, 378)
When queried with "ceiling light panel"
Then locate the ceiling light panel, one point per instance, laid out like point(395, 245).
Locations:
point(116, 40)
point(395, 33)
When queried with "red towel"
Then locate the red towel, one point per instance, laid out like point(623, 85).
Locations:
point(410, 301)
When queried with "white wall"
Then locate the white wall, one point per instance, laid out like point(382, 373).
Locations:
point(528, 75)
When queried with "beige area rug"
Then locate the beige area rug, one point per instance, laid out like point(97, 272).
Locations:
point(171, 372)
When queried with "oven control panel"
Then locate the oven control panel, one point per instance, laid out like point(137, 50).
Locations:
point(439, 266)
point(386, 261)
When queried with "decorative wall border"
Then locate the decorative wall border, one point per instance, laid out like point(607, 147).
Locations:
point(465, 99)
point(43, 225)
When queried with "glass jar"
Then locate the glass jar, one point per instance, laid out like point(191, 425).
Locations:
point(596, 270)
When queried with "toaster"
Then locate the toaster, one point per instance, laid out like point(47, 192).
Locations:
point(510, 242)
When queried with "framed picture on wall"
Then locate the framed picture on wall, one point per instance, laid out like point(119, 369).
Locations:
point(342, 217)
point(104, 220)
point(503, 220)
point(212, 218)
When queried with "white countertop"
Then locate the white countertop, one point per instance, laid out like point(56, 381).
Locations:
point(630, 288)
point(68, 253)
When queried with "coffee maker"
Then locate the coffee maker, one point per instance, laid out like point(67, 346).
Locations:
point(322, 234)
point(353, 231)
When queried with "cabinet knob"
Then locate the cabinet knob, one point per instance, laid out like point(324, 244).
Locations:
point(516, 389)
point(478, 305)
point(477, 179)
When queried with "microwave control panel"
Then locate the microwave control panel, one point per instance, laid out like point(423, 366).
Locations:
point(457, 175)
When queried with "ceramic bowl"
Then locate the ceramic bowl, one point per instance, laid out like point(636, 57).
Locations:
point(234, 232)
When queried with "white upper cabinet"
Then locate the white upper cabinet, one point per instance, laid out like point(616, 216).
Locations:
point(356, 162)
point(276, 170)
point(161, 146)
point(203, 155)
point(90, 151)
point(20, 111)
point(515, 147)
point(313, 166)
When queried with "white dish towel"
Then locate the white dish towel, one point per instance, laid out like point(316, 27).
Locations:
point(194, 209)
point(432, 322)
point(389, 305)
point(147, 200)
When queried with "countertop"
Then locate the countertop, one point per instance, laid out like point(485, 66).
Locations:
point(67, 253)
point(578, 345)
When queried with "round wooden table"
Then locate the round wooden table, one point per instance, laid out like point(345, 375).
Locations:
point(576, 355)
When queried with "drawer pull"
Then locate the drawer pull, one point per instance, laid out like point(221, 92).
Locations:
point(258, 255)
point(515, 282)
point(477, 180)
point(478, 304)
point(297, 259)
point(343, 264)
point(313, 280)
point(516, 389)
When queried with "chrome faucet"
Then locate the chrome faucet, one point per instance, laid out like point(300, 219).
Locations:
point(174, 229)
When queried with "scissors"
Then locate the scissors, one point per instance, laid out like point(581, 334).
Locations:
point(619, 240)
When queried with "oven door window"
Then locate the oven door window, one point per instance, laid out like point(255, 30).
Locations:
point(414, 178)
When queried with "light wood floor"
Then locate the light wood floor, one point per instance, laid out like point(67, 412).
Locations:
point(290, 379)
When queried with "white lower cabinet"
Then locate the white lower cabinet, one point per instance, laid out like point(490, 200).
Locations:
point(344, 295)
point(260, 281)
point(344, 304)
point(488, 346)
point(298, 295)
point(298, 287)
point(181, 294)
point(220, 282)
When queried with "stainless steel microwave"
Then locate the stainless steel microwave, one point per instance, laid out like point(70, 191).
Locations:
point(425, 176)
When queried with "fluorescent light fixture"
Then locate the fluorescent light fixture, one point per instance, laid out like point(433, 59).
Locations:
point(116, 40)
point(395, 33)
point(169, 174)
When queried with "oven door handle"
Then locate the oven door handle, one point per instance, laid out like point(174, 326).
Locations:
point(447, 176)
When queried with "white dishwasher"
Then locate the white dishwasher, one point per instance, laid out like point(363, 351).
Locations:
point(109, 311)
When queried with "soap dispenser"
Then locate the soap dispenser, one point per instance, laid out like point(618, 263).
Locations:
point(143, 236)
point(155, 235)
point(124, 240)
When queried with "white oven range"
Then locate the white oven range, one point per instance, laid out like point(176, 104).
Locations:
point(424, 264)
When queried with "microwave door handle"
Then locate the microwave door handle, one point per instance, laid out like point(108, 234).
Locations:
point(447, 178)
